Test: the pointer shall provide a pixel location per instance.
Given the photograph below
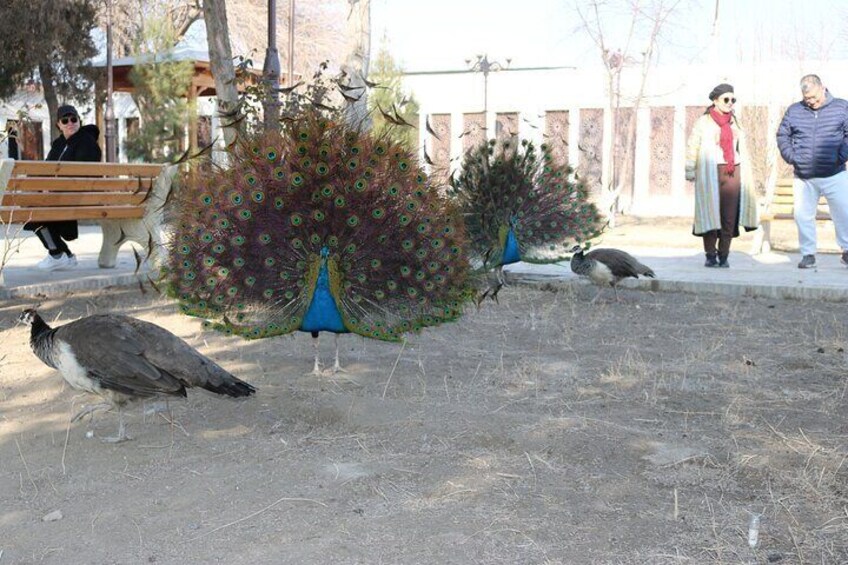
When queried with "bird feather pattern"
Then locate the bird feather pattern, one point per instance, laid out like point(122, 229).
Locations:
point(519, 204)
point(317, 208)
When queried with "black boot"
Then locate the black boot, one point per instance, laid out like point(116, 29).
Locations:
point(722, 262)
point(711, 260)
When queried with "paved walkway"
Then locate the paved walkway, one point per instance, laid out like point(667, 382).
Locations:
point(772, 275)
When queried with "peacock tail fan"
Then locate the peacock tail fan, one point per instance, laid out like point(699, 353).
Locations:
point(520, 204)
point(250, 241)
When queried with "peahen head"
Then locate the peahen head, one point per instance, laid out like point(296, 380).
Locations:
point(28, 317)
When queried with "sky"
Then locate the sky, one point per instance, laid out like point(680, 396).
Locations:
point(442, 34)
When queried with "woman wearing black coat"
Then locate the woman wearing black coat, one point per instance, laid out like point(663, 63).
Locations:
point(77, 143)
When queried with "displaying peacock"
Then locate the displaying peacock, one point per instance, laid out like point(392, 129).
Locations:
point(519, 204)
point(317, 227)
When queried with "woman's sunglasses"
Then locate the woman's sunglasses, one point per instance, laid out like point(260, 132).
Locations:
point(728, 100)
point(73, 119)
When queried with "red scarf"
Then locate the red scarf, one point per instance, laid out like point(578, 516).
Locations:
point(725, 140)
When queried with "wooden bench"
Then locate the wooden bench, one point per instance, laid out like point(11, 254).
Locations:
point(126, 199)
point(780, 207)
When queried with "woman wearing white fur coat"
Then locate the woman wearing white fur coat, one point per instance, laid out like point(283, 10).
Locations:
point(717, 160)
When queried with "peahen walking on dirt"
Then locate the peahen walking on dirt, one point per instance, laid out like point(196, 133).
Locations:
point(519, 204)
point(121, 359)
point(318, 227)
point(607, 266)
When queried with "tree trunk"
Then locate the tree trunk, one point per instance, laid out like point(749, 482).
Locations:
point(221, 62)
point(45, 71)
point(358, 54)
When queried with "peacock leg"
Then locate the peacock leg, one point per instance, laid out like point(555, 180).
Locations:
point(616, 292)
point(600, 290)
point(122, 430)
point(89, 409)
point(316, 369)
point(501, 275)
point(337, 368)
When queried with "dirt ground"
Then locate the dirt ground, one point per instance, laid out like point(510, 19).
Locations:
point(540, 430)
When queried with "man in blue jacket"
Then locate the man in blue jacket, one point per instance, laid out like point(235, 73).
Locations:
point(813, 138)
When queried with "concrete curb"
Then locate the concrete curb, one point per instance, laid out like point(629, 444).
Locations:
point(729, 289)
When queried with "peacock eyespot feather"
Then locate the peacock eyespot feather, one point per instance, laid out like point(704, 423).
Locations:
point(296, 220)
point(403, 165)
point(267, 294)
point(218, 248)
point(380, 149)
point(360, 185)
point(379, 294)
point(250, 281)
point(356, 149)
point(190, 275)
point(322, 169)
point(238, 262)
point(340, 202)
point(421, 253)
point(437, 243)
point(223, 223)
point(255, 150)
point(405, 270)
point(258, 196)
point(393, 190)
point(303, 135)
point(206, 199)
point(219, 299)
point(421, 228)
point(279, 173)
point(412, 206)
point(236, 198)
point(271, 154)
point(407, 244)
point(324, 151)
point(353, 221)
point(238, 240)
point(332, 241)
point(186, 264)
point(297, 243)
point(318, 215)
point(305, 163)
point(244, 214)
point(378, 213)
point(289, 294)
point(350, 249)
point(368, 173)
point(412, 291)
point(270, 261)
point(211, 282)
point(420, 275)
point(391, 285)
point(361, 278)
point(404, 220)
point(300, 264)
point(420, 178)
point(382, 238)
point(315, 239)
point(264, 239)
point(352, 164)
point(207, 238)
point(208, 261)
point(297, 179)
point(433, 266)
point(250, 179)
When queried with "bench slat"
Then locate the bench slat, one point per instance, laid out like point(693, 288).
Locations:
point(35, 200)
point(28, 184)
point(21, 215)
point(76, 169)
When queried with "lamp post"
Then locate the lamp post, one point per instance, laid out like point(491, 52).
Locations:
point(271, 70)
point(290, 71)
point(111, 154)
point(485, 66)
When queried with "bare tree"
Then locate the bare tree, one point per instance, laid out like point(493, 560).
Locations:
point(356, 57)
point(635, 50)
point(221, 62)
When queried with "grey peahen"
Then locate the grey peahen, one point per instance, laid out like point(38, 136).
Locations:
point(519, 204)
point(317, 227)
point(121, 358)
point(607, 267)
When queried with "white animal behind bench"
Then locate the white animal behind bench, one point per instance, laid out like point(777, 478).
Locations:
point(46, 190)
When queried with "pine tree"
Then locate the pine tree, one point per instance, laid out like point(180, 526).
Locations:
point(161, 86)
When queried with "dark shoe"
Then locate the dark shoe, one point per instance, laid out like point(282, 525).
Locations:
point(808, 262)
point(722, 263)
point(845, 257)
point(711, 260)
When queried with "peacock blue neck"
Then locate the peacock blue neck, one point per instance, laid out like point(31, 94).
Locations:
point(323, 315)
point(510, 252)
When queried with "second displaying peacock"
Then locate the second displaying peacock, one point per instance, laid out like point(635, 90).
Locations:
point(317, 227)
point(519, 204)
